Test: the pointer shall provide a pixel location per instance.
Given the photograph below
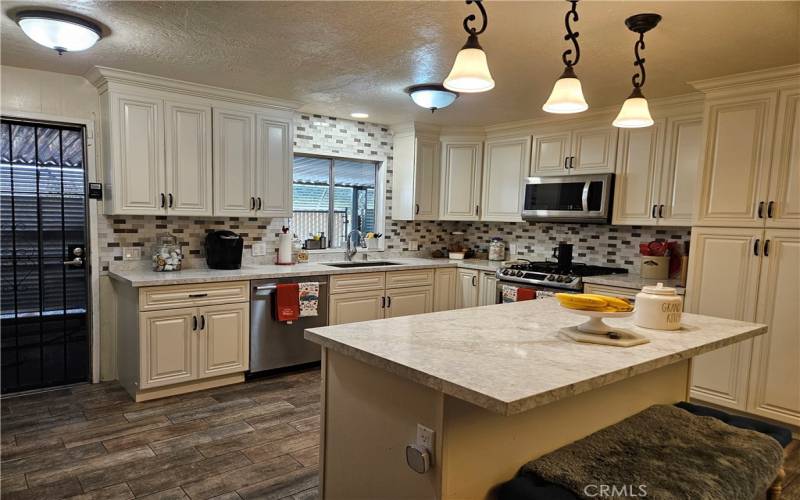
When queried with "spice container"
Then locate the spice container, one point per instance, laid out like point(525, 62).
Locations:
point(167, 254)
point(659, 308)
point(497, 249)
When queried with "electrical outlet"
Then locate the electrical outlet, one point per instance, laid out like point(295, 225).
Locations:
point(425, 437)
point(131, 253)
point(259, 248)
point(512, 250)
point(413, 246)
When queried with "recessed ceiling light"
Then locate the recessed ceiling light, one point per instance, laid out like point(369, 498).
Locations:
point(359, 114)
point(58, 31)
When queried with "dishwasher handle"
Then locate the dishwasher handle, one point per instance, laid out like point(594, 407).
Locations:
point(264, 291)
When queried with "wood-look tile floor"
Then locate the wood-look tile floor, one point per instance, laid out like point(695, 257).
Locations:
point(254, 440)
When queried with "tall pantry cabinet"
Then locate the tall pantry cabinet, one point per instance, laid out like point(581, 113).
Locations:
point(745, 259)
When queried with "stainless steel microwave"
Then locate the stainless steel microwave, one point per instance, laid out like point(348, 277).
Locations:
point(569, 198)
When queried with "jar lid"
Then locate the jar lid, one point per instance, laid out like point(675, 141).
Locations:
point(659, 289)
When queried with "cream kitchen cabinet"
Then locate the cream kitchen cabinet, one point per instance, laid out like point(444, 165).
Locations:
point(352, 307)
point(488, 288)
point(783, 207)
point(367, 296)
point(506, 165)
point(657, 171)
point(467, 288)
point(460, 180)
point(587, 149)
point(445, 289)
point(749, 274)
point(415, 174)
point(181, 338)
point(188, 158)
point(274, 160)
point(408, 301)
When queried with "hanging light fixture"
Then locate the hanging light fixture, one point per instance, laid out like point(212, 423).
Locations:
point(58, 31)
point(431, 96)
point(470, 71)
point(635, 112)
point(567, 94)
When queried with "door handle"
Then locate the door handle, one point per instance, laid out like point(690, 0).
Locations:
point(566, 164)
point(194, 323)
point(766, 248)
point(383, 302)
point(76, 262)
point(653, 212)
point(259, 203)
point(760, 209)
point(202, 321)
point(755, 246)
point(252, 203)
point(476, 209)
point(416, 209)
point(770, 207)
point(571, 162)
point(389, 301)
point(163, 200)
point(474, 281)
point(170, 200)
point(661, 211)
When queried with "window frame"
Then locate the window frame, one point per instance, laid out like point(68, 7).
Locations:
point(380, 195)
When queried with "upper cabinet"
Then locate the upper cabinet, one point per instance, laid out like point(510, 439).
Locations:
point(460, 179)
point(164, 155)
point(415, 175)
point(505, 166)
point(575, 150)
point(783, 207)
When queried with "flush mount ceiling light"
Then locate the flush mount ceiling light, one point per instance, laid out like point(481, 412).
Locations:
point(431, 96)
point(359, 115)
point(58, 31)
point(635, 112)
point(470, 71)
point(567, 95)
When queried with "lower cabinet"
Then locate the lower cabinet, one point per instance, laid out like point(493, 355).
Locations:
point(408, 301)
point(224, 339)
point(444, 289)
point(168, 342)
point(488, 289)
point(380, 295)
point(467, 288)
point(351, 307)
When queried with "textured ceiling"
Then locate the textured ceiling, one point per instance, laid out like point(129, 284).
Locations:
point(339, 57)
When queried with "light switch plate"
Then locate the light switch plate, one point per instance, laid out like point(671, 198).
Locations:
point(259, 248)
point(131, 253)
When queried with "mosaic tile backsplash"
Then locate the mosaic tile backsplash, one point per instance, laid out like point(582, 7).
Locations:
point(595, 244)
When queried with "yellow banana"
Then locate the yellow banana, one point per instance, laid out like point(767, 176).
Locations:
point(593, 302)
point(615, 302)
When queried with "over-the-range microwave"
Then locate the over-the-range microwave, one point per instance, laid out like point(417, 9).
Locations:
point(569, 198)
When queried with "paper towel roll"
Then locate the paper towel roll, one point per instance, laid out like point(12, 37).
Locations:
point(285, 248)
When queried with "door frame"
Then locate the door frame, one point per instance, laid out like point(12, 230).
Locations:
point(93, 210)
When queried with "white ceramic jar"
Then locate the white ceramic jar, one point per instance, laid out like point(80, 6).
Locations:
point(658, 308)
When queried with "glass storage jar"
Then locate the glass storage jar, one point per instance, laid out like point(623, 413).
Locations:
point(497, 249)
point(167, 254)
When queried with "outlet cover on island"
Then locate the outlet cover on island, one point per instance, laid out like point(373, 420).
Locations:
point(425, 438)
point(259, 248)
point(131, 253)
point(413, 246)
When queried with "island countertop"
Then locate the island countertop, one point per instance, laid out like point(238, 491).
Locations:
point(510, 358)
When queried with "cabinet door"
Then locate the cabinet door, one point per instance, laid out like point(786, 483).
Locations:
point(234, 162)
point(224, 339)
point(775, 373)
point(352, 307)
point(444, 293)
point(723, 282)
point(461, 181)
point(550, 154)
point(467, 288)
point(505, 167)
point(168, 343)
point(736, 159)
point(638, 170)
point(426, 190)
point(188, 158)
point(273, 167)
point(408, 301)
point(594, 149)
point(784, 192)
point(138, 146)
point(679, 171)
point(488, 289)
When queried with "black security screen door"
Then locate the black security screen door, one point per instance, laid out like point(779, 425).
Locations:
point(44, 319)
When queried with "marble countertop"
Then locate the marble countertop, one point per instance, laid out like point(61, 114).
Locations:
point(146, 277)
point(522, 361)
point(632, 281)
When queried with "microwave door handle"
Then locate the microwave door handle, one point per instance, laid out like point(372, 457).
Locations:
point(585, 197)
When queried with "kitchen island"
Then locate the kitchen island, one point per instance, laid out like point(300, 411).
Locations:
point(499, 385)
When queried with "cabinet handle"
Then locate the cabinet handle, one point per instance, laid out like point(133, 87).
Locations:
point(571, 162)
point(474, 281)
point(194, 323)
point(383, 302)
point(259, 203)
point(416, 209)
point(766, 248)
point(197, 295)
point(476, 209)
point(389, 301)
point(163, 200)
point(755, 246)
point(653, 212)
point(770, 206)
point(760, 209)
point(170, 200)
point(660, 211)
point(566, 164)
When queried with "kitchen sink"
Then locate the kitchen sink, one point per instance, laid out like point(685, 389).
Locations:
point(374, 263)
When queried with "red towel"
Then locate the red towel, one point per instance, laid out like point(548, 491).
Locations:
point(525, 294)
point(287, 305)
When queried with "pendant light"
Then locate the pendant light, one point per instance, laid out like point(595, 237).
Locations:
point(635, 112)
point(58, 31)
point(567, 94)
point(470, 71)
point(431, 96)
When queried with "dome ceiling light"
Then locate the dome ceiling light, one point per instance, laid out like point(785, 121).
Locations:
point(635, 112)
point(567, 95)
point(470, 71)
point(58, 31)
point(431, 96)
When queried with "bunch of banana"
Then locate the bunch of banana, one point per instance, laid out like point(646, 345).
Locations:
point(593, 302)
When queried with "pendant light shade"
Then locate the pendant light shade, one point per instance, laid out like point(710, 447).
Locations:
point(431, 96)
point(635, 112)
point(567, 95)
point(470, 71)
point(58, 31)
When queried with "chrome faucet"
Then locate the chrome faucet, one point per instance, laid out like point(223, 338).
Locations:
point(353, 241)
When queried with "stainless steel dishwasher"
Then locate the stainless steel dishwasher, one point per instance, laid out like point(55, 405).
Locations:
point(276, 344)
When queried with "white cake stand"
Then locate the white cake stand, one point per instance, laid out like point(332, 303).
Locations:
point(595, 331)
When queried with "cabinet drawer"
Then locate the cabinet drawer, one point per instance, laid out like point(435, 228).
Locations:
point(167, 297)
point(414, 277)
point(357, 282)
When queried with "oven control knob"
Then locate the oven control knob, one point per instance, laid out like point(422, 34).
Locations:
point(551, 277)
point(559, 278)
point(520, 273)
point(504, 272)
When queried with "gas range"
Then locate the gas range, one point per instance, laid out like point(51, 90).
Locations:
point(547, 274)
